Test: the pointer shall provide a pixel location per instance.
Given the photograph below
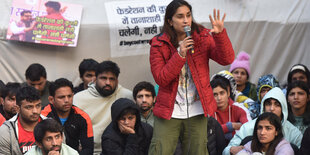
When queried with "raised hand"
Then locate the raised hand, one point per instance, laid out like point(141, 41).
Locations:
point(217, 23)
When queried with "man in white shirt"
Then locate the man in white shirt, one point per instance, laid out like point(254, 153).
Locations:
point(22, 30)
point(98, 98)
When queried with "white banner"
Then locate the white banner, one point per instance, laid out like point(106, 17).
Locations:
point(132, 25)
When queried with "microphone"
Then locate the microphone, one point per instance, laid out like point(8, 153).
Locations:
point(187, 30)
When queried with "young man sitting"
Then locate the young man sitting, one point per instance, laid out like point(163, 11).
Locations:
point(126, 134)
point(17, 133)
point(49, 136)
point(77, 124)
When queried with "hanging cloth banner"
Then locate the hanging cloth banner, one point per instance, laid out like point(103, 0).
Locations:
point(132, 25)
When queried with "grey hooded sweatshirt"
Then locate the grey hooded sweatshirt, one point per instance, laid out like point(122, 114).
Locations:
point(9, 137)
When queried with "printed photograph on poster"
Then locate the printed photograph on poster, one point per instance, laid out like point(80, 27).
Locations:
point(45, 22)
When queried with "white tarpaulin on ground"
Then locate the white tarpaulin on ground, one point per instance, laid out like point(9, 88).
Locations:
point(275, 33)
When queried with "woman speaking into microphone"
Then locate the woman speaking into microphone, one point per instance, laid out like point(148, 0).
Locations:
point(180, 66)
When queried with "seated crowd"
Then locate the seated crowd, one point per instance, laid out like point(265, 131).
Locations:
point(102, 117)
point(190, 113)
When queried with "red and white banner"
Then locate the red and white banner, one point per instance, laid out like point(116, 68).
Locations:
point(45, 22)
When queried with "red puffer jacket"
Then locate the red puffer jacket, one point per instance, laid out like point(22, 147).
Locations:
point(166, 65)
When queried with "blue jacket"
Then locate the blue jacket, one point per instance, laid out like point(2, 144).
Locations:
point(291, 133)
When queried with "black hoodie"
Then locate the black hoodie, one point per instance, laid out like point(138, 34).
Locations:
point(115, 143)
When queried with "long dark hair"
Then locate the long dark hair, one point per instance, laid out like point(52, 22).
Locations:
point(274, 120)
point(306, 116)
point(170, 11)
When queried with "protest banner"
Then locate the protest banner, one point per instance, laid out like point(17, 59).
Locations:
point(132, 24)
point(45, 22)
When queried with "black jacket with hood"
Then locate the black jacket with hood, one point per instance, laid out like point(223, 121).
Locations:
point(113, 142)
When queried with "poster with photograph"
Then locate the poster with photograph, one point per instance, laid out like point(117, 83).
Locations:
point(45, 22)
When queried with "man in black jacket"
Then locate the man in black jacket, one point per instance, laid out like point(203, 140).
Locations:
point(9, 108)
point(126, 134)
point(77, 124)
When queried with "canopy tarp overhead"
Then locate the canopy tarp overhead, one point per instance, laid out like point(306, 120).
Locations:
point(275, 33)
